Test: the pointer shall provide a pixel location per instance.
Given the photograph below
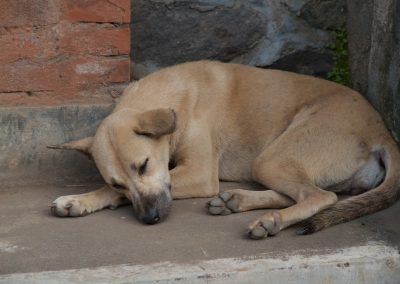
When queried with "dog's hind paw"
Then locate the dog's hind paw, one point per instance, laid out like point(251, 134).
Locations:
point(68, 206)
point(225, 204)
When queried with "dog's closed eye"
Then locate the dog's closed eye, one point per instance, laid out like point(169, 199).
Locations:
point(118, 186)
point(142, 169)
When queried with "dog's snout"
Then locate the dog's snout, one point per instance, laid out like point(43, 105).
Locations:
point(151, 217)
point(152, 208)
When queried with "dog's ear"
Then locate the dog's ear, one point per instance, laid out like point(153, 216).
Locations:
point(82, 145)
point(156, 123)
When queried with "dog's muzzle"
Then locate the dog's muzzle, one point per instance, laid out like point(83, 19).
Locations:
point(153, 208)
point(151, 217)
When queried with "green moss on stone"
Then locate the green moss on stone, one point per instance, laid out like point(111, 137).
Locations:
point(340, 71)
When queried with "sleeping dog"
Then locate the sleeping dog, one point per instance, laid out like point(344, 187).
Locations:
point(304, 139)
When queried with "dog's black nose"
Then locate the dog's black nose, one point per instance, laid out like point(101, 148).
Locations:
point(151, 217)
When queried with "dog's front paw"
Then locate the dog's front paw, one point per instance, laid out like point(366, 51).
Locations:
point(226, 203)
point(267, 225)
point(69, 206)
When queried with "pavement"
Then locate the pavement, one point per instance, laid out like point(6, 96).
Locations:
point(111, 246)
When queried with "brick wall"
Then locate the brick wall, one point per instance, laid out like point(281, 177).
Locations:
point(63, 51)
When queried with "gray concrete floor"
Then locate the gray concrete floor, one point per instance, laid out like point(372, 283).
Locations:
point(32, 240)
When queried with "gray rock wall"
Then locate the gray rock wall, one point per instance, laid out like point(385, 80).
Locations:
point(374, 49)
point(285, 34)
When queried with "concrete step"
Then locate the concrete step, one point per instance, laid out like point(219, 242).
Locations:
point(189, 247)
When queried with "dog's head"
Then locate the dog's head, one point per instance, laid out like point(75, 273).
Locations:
point(131, 151)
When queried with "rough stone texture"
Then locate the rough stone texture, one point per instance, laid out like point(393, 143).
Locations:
point(325, 14)
point(260, 33)
point(359, 41)
point(315, 62)
point(374, 42)
point(25, 133)
point(222, 33)
point(60, 50)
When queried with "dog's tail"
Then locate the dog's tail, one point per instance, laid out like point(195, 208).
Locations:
point(381, 197)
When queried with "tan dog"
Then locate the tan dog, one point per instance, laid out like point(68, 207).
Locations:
point(303, 138)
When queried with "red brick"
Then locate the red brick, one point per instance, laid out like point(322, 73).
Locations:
point(63, 50)
point(19, 13)
point(104, 11)
point(100, 71)
point(96, 40)
point(68, 39)
point(26, 43)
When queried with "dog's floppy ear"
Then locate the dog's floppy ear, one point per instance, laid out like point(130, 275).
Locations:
point(82, 145)
point(156, 123)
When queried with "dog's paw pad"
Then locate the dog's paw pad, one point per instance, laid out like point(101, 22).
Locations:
point(219, 211)
point(257, 233)
point(217, 207)
point(225, 196)
point(225, 204)
point(216, 202)
point(233, 204)
point(68, 206)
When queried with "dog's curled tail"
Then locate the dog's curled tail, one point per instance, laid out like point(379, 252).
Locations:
point(381, 197)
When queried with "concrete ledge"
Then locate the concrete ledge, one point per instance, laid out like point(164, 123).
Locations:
point(111, 246)
point(26, 131)
point(374, 263)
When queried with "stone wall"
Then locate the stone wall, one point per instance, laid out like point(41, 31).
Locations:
point(58, 51)
point(374, 49)
point(284, 34)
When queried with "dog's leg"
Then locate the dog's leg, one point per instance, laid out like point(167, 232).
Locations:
point(240, 200)
point(189, 181)
point(83, 204)
point(290, 181)
point(196, 172)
